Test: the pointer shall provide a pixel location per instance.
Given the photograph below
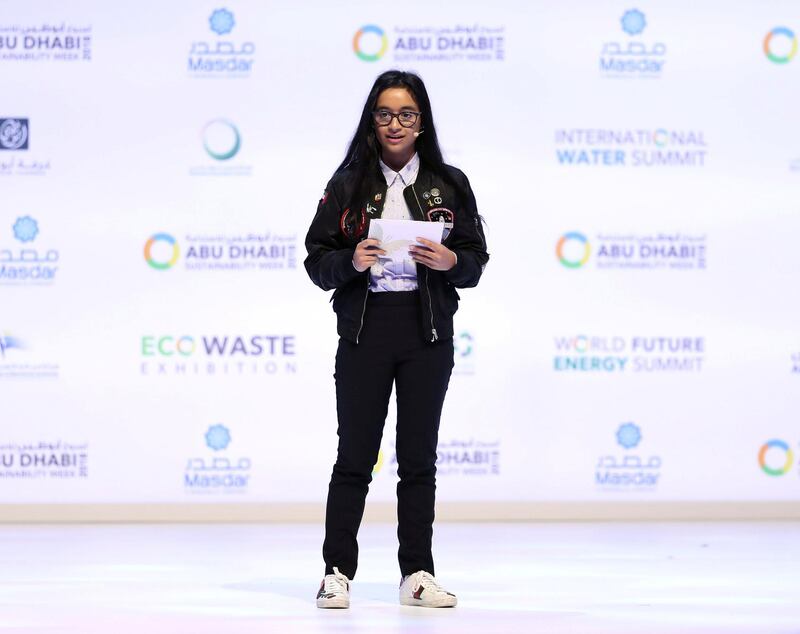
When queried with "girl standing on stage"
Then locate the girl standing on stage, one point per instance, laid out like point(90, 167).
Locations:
point(395, 323)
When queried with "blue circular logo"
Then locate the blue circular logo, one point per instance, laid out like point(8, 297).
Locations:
point(629, 435)
point(221, 21)
point(218, 437)
point(26, 229)
point(221, 139)
point(633, 22)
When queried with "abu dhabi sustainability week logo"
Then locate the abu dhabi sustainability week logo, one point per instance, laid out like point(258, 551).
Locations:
point(44, 459)
point(645, 251)
point(458, 457)
point(430, 43)
point(228, 253)
point(45, 42)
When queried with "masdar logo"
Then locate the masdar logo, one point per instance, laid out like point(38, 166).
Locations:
point(631, 55)
point(217, 471)
point(629, 470)
point(218, 55)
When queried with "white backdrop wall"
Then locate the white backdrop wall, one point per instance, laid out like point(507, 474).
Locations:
point(636, 333)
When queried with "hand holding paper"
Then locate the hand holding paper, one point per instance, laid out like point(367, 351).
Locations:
point(412, 241)
point(366, 254)
point(434, 255)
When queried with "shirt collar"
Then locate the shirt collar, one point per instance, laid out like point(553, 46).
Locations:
point(407, 175)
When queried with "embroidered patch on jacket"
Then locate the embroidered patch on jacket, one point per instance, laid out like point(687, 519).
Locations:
point(441, 214)
point(324, 197)
point(353, 224)
point(445, 216)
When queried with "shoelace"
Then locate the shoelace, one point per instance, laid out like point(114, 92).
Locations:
point(430, 582)
point(336, 583)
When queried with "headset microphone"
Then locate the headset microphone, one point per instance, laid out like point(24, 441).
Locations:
point(416, 134)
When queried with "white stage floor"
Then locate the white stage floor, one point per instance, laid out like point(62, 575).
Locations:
point(551, 578)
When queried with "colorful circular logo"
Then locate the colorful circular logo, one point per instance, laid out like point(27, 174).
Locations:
point(180, 349)
point(660, 137)
point(374, 30)
point(782, 446)
point(185, 346)
point(221, 139)
point(148, 251)
point(780, 32)
point(565, 244)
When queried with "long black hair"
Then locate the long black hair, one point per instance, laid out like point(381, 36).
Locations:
point(362, 155)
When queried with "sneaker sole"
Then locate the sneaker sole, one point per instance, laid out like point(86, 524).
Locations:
point(447, 602)
point(336, 604)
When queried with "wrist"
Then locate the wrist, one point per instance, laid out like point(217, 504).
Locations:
point(455, 260)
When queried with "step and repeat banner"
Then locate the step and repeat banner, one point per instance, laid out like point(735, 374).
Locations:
point(636, 334)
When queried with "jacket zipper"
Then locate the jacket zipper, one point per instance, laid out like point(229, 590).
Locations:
point(427, 286)
point(430, 304)
point(363, 310)
point(366, 294)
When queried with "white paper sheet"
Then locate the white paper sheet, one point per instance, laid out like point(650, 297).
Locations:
point(397, 235)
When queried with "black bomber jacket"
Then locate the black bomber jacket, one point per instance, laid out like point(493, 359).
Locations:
point(335, 232)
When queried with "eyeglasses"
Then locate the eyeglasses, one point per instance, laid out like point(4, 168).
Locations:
point(406, 118)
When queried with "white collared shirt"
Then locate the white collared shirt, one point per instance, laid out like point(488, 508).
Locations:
point(387, 275)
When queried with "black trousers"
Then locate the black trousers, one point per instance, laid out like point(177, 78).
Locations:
point(391, 349)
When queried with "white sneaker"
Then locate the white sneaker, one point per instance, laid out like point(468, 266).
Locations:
point(334, 591)
point(421, 589)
